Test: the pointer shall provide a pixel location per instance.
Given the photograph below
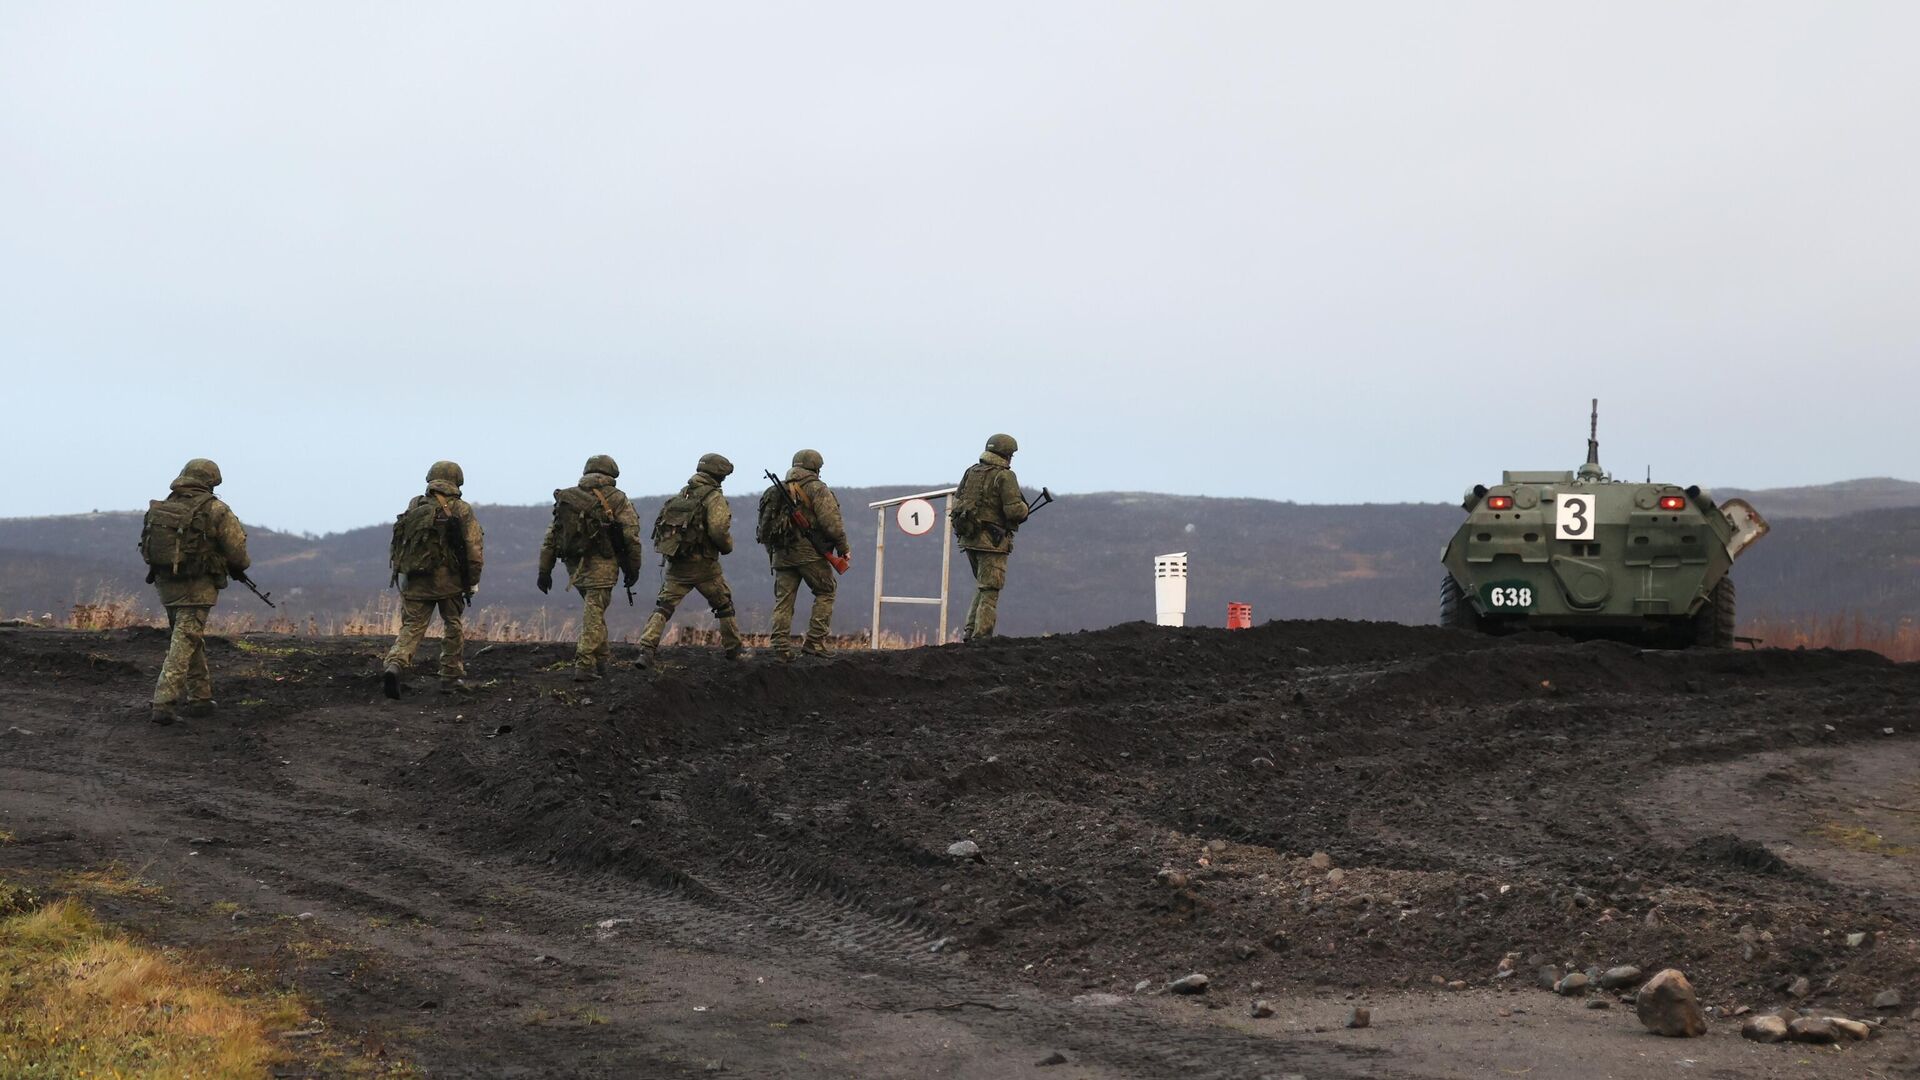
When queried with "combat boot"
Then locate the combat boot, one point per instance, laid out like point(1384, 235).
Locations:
point(390, 681)
point(453, 684)
point(161, 714)
point(816, 647)
point(199, 708)
point(587, 673)
point(730, 633)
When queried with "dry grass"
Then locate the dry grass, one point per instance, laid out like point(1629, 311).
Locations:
point(1866, 841)
point(1896, 640)
point(79, 999)
point(111, 880)
point(112, 610)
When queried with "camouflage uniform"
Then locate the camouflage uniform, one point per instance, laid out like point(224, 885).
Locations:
point(796, 560)
point(440, 589)
point(697, 567)
point(595, 573)
point(993, 492)
point(189, 598)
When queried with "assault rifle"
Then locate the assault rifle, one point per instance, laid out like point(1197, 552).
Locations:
point(457, 541)
point(998, 534)
point(241, 577)
point(618, 538)
point(807, 528)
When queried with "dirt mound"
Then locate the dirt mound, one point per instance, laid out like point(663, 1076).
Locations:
point(1369, 807)
point(1477, 797)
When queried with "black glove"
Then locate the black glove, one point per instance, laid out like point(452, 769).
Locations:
point(544, 581)
point(632, 579)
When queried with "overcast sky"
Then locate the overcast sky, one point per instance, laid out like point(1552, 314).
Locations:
point(1311, 251)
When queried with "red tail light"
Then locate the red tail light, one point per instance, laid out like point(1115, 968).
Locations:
point(1499, 502)
point(1672, 502)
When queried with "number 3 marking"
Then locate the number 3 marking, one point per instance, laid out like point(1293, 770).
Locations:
point(1575, 521)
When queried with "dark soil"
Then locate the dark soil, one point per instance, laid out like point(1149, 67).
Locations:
point(744, 867)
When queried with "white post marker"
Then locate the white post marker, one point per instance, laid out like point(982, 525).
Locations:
point(916, 517)
point(1170, 589)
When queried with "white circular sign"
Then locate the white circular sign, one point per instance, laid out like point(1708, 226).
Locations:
point(916, 517)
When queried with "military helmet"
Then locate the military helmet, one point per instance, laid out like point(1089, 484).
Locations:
point(808, 459)
point(602, 463)
point(715, 466)
point(201, 471)
point(448, 471)
point(1002, 444)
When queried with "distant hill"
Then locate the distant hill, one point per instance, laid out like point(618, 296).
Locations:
point(1084, 562)
point(1829, 500)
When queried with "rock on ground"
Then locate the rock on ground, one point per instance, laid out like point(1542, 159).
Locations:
point(1813, 1029)
point(1360, 1018)
point(1667, 1006)
point(1850, 1029)
point(1191, 984)
point(1766, 1029)
point(1619, 978)
point(1574, 985)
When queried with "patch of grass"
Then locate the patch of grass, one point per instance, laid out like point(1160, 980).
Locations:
point(7, 837)
point(111, 880)
point(252, 702)
point(224, 907)
point(16, 899)
point(80, 999)
point(257, 649)
point(589, 1016)
point(1864, 840)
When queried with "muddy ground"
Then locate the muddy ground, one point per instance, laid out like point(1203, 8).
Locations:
point(744, 869)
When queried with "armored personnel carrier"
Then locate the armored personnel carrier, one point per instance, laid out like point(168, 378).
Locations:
point(1585, 554)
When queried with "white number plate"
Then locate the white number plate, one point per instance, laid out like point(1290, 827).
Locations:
point(1510, 597)
point(1575, 519)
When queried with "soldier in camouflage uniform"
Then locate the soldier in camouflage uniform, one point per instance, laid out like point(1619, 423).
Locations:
point(611, 551)
point(189, 586)
point(795, 559)
point(987, 510)
point(438, 576)
point(694, 529)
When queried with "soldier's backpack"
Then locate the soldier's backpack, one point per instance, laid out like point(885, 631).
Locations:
point(775, 527)
point(175, 537)
point(580, 521)
point(680, 529)
point(966, 517)
point(420, 544)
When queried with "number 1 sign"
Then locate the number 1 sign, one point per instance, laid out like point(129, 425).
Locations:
point(916, 517)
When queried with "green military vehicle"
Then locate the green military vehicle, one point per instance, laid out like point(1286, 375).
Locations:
point(1585, 554)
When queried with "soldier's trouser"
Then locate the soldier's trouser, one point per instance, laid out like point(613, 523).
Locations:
point(593, 651)
point(690, 575)
point(989, 577)
point(786, 591)
point(415, 615)
point(184, 675)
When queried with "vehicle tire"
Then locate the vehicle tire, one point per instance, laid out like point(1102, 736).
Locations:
point(1456, 610)
point(1713, 624)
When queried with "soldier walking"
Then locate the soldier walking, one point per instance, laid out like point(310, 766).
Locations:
point(693, 530)
point(438, 549)
point(987, 510)
point(192, 543)
point(596, 532)
point(795, 556)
